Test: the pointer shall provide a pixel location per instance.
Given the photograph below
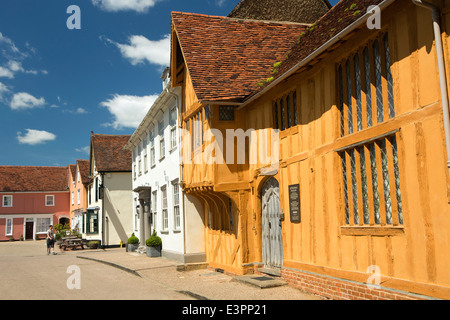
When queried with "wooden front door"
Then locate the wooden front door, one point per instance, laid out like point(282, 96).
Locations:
point(29, 230)
point(272, 242)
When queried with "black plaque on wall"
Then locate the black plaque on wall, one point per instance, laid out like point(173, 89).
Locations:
point(294, 202)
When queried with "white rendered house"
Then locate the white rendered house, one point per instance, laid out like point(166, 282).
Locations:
point(159, 202)
point(108, 217)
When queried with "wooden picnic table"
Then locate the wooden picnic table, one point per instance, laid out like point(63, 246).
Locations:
point(71, 242)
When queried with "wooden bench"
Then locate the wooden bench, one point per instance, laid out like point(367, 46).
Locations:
point(71, 242)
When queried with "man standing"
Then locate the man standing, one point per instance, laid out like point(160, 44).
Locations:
point(50, 240)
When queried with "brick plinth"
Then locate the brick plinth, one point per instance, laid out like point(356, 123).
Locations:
point(340, 289)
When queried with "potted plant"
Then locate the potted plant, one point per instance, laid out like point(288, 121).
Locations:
point(153, 245)
point(93, 244)
point(133, 243)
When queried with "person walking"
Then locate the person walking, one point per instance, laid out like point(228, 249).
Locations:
point(50, 240)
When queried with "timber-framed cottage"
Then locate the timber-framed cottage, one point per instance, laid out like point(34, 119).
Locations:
point(360, 187)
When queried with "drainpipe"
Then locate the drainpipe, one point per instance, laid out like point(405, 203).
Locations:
point(103, 209)
point(441, 65)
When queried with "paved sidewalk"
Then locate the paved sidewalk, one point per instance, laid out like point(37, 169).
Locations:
point(199, 284)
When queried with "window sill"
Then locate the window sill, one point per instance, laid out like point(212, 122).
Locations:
point(376, 231)
point(176, 231)
point(164, 232)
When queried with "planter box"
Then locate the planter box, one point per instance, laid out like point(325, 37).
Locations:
point(153, 251)
point(132, 247)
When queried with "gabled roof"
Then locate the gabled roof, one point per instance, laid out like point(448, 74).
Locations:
point(109, 154)
point(301, 11)
point(72, 171)
point(227, 57)
point(341, 16)
point(33, 179)
point(83, 167)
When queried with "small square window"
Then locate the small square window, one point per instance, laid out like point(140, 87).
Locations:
point(7, 201)
point(49, 201)
point(226, 113)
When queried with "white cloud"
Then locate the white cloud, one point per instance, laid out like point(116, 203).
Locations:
point(13, 67)
point(140, 6)
point(8, 45)
point(3, 89)
point(220, 3)
point(77, 111)
point(14, 58)
point(24, 100)
point(34, 137)
point(140, 50)
point(6, 73)
point(128, 111)
point(85, 149)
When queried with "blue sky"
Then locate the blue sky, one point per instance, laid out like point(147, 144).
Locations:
point(57, 84)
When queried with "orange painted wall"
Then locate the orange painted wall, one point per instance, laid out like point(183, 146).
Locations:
point(413, 256)
point(75, 185)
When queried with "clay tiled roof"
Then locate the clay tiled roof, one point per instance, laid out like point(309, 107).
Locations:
point(333, 22)
point(227, 57)
point(32, 179)
point(109, 154)
point(83, 167)
point(302, 11)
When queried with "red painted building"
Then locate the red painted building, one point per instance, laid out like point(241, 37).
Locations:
point(32, 198)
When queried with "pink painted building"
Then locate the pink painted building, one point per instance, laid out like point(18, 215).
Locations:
point(78, 182)
point(32, 198)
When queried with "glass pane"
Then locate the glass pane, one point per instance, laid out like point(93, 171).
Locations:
point(365, 192)
point(376, 197)
point(226, 113)
point(358, 93)
point(397, 180)
point(341, 99)
point(390, 81)
point(349, 98)
point(282, 115)
point(368, 86)
point(344, 175)
point(294, 102)
point(354, 186)
point(288, 108)
point(386, 187)
point(376, 54)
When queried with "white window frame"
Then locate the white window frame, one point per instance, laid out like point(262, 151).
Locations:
point(176, 205)
point(165, 213)
point(73, 197)
point(42, 226)
point(139, 157)
point(173, 130)
point(162, 144)
point(145, 144)
point(48, 196)
point(79, 196)
point(11, 201)
point(10, 233)
point(154, 207)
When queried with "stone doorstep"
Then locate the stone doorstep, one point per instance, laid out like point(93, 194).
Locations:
point(271, 271)
point(262, 282)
